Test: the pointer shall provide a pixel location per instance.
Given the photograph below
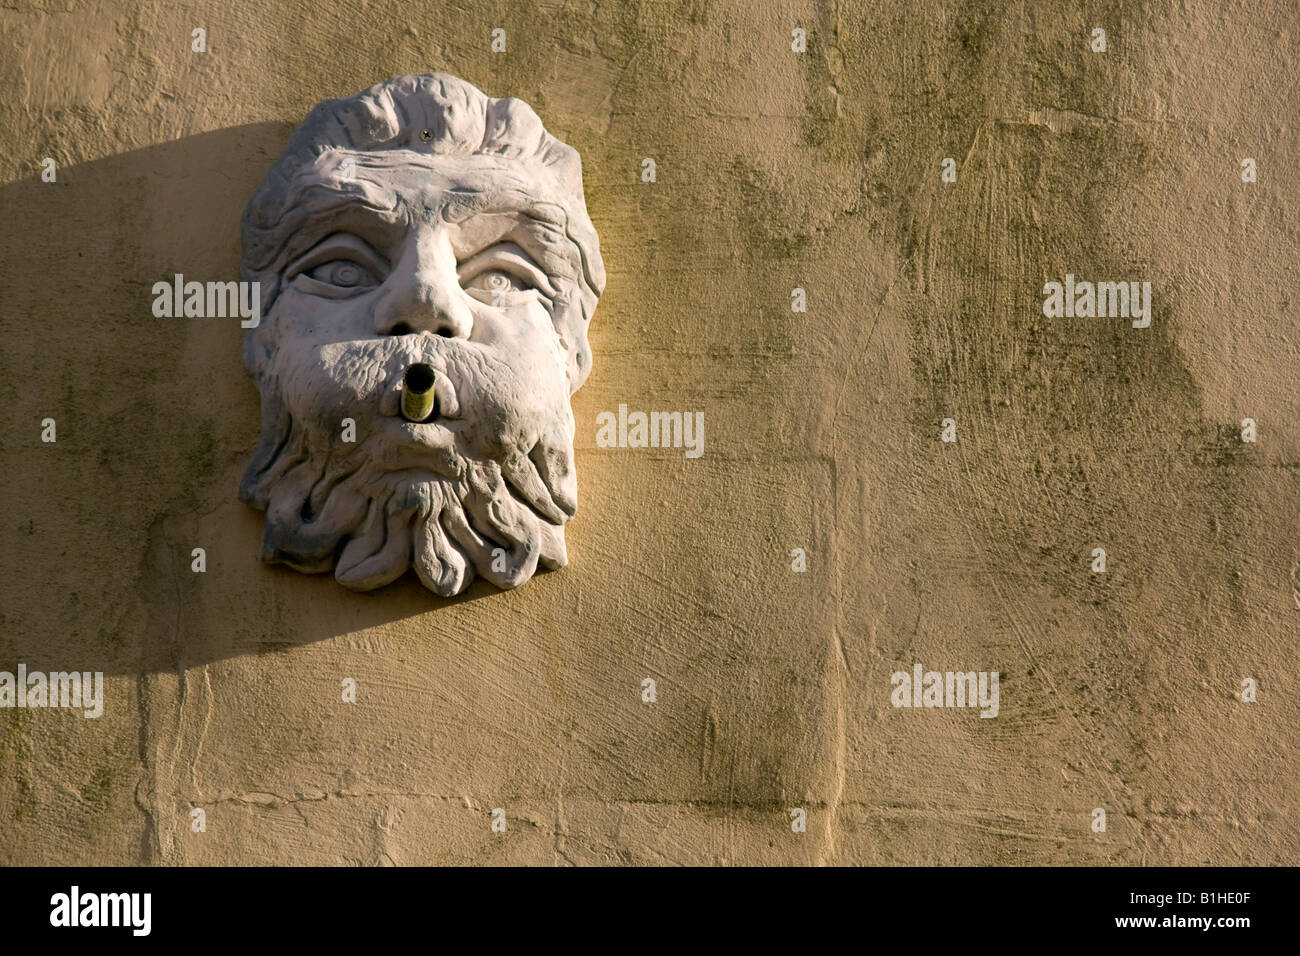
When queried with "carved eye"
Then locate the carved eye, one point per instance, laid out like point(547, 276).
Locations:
point(493, 281)
point(504, 275)
point(343, 273)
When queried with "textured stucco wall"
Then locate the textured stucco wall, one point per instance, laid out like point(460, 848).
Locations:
point(775, 170)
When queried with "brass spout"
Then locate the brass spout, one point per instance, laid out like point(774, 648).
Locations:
point(418, 398)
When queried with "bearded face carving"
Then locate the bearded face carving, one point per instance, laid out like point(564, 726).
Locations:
point(427, 271)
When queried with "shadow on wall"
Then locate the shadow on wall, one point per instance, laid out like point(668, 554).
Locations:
point(155, 421)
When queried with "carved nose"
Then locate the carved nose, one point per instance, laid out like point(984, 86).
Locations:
point(424, 293)
point(440, 319)
point(419, 400)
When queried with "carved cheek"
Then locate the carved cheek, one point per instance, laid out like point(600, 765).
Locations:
point(324, 377)
point(311, 318)
point(510, 389)
point(524, 332)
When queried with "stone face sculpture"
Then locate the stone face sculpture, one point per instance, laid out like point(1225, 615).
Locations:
point(427, 273)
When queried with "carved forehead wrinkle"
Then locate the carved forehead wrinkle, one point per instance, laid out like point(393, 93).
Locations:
point(479, 181)
point(463, 185)
point(487, 197)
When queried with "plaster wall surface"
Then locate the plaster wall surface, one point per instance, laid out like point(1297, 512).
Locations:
point(774, 170)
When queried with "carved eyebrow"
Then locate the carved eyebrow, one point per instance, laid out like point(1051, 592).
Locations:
point(507, 254)
point(340, 245)
point(543, 240)
point(319, 211)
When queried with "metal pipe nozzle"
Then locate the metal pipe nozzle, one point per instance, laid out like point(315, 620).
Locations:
point(419, 403)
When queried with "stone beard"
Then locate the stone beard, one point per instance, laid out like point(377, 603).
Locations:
point(428, 271)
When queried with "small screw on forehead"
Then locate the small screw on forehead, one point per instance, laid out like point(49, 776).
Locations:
point(426, 134)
